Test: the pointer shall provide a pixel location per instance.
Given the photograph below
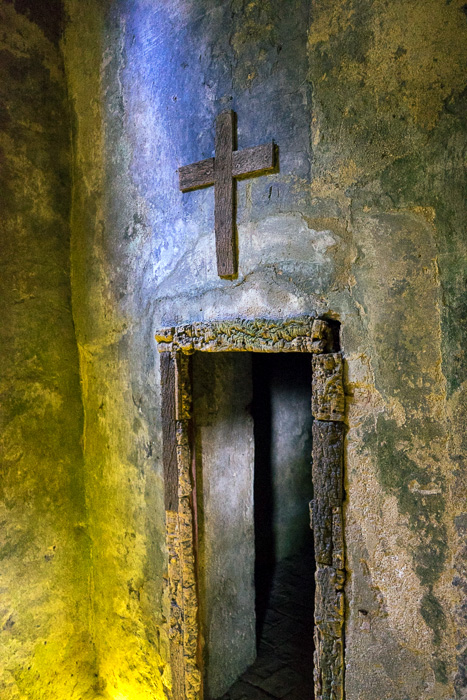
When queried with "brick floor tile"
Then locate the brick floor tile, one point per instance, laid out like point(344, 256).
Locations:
point(281, 683)
point(263, 668)
point(283, 669)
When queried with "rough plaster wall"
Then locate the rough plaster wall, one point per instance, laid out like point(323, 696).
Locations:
point(111, 245)
point(45, 649)
point(222, 394)
point(366, 221)
point(388, 135)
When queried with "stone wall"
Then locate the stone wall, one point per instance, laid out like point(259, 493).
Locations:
point(111, 248)
point(387, 129)
point(364, 223)
point(45, 647)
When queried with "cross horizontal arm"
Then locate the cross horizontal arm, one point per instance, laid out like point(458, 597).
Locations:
point(244, 163)
point(257, 159)
point(196, 175)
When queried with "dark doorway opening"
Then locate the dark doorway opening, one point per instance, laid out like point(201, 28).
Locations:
point(252, 418)
point(282, 476)
point(284, 561)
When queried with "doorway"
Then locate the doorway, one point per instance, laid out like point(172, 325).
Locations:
point(198, 537)
point(252, 447)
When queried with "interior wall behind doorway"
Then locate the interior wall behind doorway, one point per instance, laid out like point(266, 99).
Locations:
point(224, 448)
point(252, 436)
point(283, 420)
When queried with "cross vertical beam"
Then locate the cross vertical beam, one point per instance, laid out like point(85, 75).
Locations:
point(222, 171)
point(224, 196)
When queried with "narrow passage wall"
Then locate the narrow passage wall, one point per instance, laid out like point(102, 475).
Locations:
point(46, 652)
point(283, 420)
point(224, 449)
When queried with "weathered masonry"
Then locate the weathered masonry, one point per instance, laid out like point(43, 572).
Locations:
point(306, 335)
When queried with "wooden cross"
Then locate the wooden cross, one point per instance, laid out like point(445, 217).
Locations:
point(222, 171)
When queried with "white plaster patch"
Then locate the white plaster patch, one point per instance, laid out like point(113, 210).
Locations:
point(428, 490)
point(284, 237)
point(284, 242)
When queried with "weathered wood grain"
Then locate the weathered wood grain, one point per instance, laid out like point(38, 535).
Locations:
point(224, 195)
point(254, 160)
point(302, 334)
point(328, 399)
point(338, 539)
point(221, 172)
point(328, 668)
point(322, 336)
point(182, 387)
point(247, 162)
point(177, 661)
point(196, 175)
point(327, 521)
point(328, 451)
point(182, 590)
point(169, 440)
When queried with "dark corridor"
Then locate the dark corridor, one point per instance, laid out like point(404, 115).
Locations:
point(284, 564)
point(283, 668)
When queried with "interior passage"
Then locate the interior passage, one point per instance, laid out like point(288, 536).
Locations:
point(255, 560)
point(284, 664)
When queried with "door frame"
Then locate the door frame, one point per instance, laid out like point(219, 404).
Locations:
point(303, 334)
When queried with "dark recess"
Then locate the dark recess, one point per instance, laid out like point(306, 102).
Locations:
point(49, 15)
point(292, 370)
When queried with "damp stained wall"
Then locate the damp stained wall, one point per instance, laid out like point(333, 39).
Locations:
point(365, 223)
point(45, 647)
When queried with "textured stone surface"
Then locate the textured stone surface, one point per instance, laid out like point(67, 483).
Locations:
point(364, 223)
point(328, 400)
point(46, 649)
point(119, 372)
point(222, 392)
point(388, 103)
point(370, 231)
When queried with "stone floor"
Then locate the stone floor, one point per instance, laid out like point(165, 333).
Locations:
point(284, 665)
